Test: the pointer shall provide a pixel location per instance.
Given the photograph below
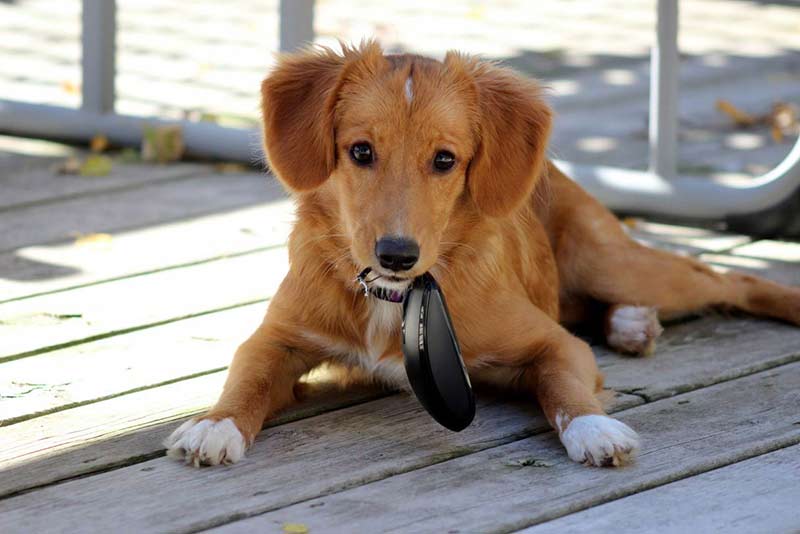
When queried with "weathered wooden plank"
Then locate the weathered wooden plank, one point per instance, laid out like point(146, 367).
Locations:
point(55, 320)
point(776, 260)
point(129, 429)
point(756, 495)
point(679, 375)
point(147, 205)
point(292, 462)
point(682, 239)
point(700, 353)
point(66, 378)
point(38, 269)
point(491, 490)
point(46, 185)
point(38, 438)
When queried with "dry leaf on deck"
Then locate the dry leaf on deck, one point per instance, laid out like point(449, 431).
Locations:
point(129, 155)
point(231, 168)
point(71, 165)
point(162, 144)
point(295, 528)
point(783, 120)
point(96, 165)
point(70, 87)
point(739, 117)
point(630, 222)
point(98, 143)
point(90, 239)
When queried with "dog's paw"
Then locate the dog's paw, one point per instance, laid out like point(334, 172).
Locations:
point(206, 442)
point(633, 329)
point(600, 440)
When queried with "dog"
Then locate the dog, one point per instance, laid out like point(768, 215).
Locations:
point(407, 165)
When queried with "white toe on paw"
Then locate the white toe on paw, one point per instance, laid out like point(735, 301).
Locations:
point(600, 440)
point(206, 442)
point(633, 329)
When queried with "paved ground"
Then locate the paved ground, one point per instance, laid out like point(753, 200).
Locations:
point(204, 59)
point(122, 299)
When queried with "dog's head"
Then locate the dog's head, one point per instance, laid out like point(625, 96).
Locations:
point(403, 145)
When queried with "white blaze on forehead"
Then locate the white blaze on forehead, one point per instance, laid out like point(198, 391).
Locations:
point(409, 90)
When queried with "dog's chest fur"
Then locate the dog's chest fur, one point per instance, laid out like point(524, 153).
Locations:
point(381, 330)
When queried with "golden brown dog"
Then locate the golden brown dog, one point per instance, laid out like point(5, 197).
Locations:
point(407, 165)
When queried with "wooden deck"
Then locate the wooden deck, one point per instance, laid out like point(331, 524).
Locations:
point(110, 341)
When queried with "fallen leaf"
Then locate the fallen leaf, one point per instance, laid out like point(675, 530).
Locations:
point(96, 165)
point(71, 165)
point(739, 117)
point(162, 144)
point(295, 528)
point(630, 222)
point(89, 239)
point(777, 134)
point(229, 168)
point(98, 143)
point(783, 121)
point(70, 87)
point(129, 155)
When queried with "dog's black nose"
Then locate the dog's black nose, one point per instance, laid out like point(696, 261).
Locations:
point(397, 253)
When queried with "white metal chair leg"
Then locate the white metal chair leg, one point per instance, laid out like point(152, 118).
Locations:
point(98, 55)
point(688, 196)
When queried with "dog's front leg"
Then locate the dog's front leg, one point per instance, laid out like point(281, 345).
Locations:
point(565, 383)
point(260, 383)
point(559, 369)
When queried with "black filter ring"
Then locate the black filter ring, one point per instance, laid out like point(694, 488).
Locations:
point(433, 360)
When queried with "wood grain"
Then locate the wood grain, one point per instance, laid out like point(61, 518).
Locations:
point(43, 185)
point(291, 462)
point(129, 429)
point(756, 495)
point(699, 353)
point(493, 491)
point(60, 319)
point(679, 372)
point(775, 260)
point(85, 373)
point(124, 210)
point(37, 269)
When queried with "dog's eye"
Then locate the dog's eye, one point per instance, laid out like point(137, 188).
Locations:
point(361, 153)
point(443, 161)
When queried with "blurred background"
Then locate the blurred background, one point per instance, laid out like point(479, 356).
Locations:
point(203, 60)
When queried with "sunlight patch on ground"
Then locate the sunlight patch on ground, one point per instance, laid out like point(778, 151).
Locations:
point(597, 144)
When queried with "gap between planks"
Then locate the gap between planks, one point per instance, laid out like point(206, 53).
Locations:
point(750, 496)
point(45, 269)
point(87, 187)
point(55, 321)
point(312, 460)
point(490, 490)
point(682, 363)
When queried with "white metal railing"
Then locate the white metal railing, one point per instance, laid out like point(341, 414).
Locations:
point(659, 190)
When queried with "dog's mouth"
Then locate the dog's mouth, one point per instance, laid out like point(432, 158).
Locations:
point(382, 285)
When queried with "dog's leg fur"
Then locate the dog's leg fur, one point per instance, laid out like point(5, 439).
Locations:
point(544, 360)
point(598, 260)
point(260, 383)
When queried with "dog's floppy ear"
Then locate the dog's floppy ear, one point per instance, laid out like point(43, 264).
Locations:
point(514, 127)
point(297, 102)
